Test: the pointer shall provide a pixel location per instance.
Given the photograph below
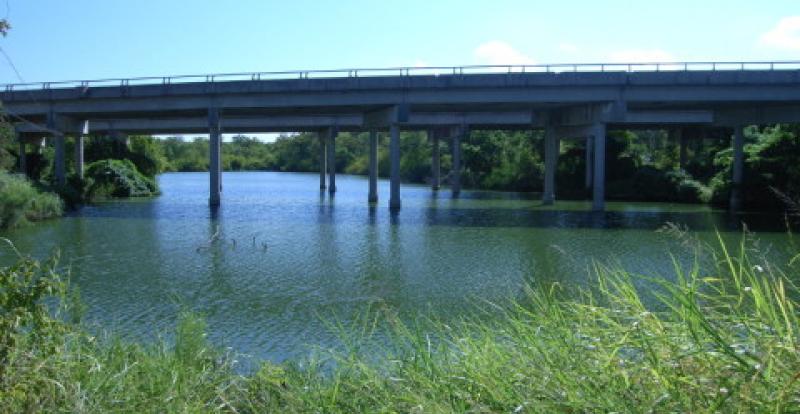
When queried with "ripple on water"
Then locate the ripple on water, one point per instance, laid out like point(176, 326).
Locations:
point(289, 260)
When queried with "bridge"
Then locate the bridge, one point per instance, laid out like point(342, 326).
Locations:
point(567, 101)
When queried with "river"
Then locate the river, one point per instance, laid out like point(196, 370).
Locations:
point(288, 260)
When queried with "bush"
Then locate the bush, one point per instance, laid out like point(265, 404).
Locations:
point(770, 161)
point(116, 178)
point(651, 184)
point(20, 202)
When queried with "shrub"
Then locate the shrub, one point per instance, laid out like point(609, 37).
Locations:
point(20, 202)
point(769, 162)
point(117, 178)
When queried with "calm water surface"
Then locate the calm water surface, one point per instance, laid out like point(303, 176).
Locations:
point(288, 258)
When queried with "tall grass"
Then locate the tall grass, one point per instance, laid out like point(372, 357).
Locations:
point(722, 338)
point(21, 202)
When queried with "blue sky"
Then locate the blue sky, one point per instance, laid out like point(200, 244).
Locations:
point(81, 39)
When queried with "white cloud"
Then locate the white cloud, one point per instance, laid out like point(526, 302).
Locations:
point(567, 47)
point(640, 56)
point(785, 34)
point(501, 53)
point(419, 63)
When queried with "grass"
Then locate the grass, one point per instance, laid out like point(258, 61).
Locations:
point(21, 202)
point(722, 338)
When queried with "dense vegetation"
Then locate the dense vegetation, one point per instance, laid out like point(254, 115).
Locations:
point(21, 202)
point(720, 339)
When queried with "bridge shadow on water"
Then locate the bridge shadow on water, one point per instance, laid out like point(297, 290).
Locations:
point(536, 216)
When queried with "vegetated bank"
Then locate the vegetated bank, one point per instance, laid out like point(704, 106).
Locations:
point(723, 338)
point(640, 165)
point(21, 202)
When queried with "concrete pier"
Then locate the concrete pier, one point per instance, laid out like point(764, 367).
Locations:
point(330, 141)
point(683, 156)
point(394, 167)
point(373, 167)
point(589, 161)
point(550, 160)
point(79, 155)
point(599, 187)
point(455, 177)
point(215, 157)
point(436, 169)
point(59, 162)
point(79, 137)
point(323, 160)
point(738, 168)
point(23, 157)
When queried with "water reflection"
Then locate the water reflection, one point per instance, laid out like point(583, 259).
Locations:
point(287, 259)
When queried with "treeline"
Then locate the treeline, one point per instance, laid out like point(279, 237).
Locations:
point(640, 166)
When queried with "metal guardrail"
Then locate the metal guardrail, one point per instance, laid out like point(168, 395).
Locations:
point(416, 71)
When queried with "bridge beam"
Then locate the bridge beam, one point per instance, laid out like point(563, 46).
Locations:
point(738, 168)
point(373, 167)
point(323, 160)
point(215, 156)
point(550, 161)
point(394, 167)
point(599, 187)
point(330, 141)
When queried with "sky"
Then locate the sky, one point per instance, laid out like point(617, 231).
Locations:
point(54, 40)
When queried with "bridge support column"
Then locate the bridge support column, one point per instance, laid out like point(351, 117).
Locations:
point(550, 160)
point(394, 167)
point(738, 168)
point(79, 137)
point(79, 155)
point(683, 155)
point(435, 160)
point(59, 163)
point(455, 184)
point(323, 160)
point(215, 157)
point(23, 157)
point(589, 161)
point(60, 160)
point(599, 188)
point(373, 167)
point(330, 140)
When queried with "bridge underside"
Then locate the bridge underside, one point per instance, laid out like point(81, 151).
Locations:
point(564, 105)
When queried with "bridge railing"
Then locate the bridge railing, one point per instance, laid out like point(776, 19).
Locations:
point(415, 71)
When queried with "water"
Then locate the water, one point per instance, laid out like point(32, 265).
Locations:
point(289, 259)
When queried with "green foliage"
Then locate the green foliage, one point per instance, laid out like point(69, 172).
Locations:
point(116, 178)
point(770, 162)
point(23, 312)
point(651, 184)
point(20, 202)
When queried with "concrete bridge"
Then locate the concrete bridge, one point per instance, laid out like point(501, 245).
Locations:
point(576, 101)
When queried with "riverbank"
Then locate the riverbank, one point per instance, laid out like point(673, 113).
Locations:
point(721, 339)
point(21, 202)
